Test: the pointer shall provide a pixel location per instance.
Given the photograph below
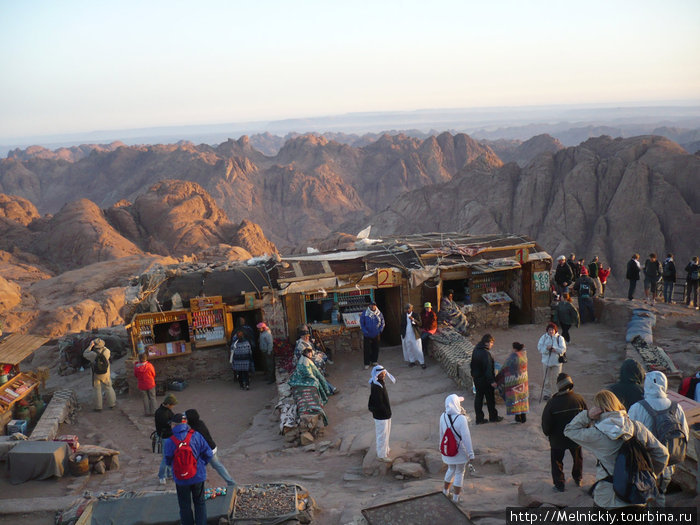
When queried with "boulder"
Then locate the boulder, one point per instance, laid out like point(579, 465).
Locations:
point(408, 469)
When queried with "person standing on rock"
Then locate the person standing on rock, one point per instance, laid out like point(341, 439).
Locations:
point(266, 347)
point(568, 316)
point(372, 325)
point(594, 272)
point(586, 289)
point(602, 430)
point(163, 415)
point(652, 276)
point(242, 359)
point(557, 413)
point(691, 282)
point(189, 484)
point(604, 273)
point(646, 411)
point(381, 410)
point(552, 346)
point(630, 388)
point(411, 343)
point(563, 275)
point(195, 423)
point(484, 378)
point(146, 380)
point(669, 275)
point(428, 322)
point(101, 376)
point(633, 272)
point(455, 419)
point(512, 381)
point(574, 265)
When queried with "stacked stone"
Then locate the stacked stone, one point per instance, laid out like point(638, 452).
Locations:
point(62, 405)
point(454, 352)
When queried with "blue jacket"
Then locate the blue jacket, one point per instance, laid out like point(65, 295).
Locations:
point(372, 325)
point(200, 448)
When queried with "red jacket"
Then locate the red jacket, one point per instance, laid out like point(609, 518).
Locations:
point(603, 274)
point(146, 375)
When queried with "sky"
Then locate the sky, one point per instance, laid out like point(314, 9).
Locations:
point(80, 66)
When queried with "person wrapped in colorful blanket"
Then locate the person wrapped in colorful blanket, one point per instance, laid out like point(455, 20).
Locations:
point(307, 373)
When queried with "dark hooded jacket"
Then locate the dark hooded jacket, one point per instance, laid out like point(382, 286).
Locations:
point(559, 411)
point(197, 424)
point(630, 388)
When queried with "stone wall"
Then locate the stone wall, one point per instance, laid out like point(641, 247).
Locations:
point(337, 338)
point(200, 365)
point(485, 316)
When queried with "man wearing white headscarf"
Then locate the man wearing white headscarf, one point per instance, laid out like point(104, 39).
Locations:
point(411, 343)
point(381, 410)
point(455, 418)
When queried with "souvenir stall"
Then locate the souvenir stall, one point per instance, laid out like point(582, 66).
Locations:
point(19, 390)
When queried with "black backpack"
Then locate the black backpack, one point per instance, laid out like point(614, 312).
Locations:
point(633, 478)
point(668, 429)
point(668, 272)
point(101, 364)
point(584, 290)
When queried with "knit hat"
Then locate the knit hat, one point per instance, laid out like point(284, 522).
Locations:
point(170, 399)
point(561, 258)
point(564, 382)
point(518, 346)
point(179, 418)
point(261, 326)
point(584, 271)
point(427, 305)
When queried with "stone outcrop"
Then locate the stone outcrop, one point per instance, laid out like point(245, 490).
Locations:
point(606, 197)
point(306, 190)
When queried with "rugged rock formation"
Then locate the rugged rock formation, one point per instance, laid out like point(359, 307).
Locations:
point(523, 153)
point(308, 188)
point(606, 197)
point(173, 218)
point(17, 209)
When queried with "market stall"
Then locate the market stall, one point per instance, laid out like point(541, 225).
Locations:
point(17, 389)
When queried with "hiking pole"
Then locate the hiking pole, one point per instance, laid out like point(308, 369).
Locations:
point(544, 380)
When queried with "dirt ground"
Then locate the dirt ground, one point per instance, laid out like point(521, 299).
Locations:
point(510, 459)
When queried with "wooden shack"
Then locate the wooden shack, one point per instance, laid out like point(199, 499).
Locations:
point(17, 385)
point(500, 279)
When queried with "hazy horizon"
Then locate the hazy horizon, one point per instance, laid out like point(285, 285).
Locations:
point(78, 68)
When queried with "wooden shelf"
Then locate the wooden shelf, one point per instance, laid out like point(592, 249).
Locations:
point(30, 380)
point(216, 342)
point(162, 347)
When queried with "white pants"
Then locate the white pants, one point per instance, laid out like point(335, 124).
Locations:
point(412, 349)
point(457, 472)
point(550, 381)
point(382, 427)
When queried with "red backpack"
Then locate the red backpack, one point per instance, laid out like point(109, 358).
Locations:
point(184, 460)
point(449, 446)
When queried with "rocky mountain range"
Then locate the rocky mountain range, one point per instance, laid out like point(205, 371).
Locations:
point(74, 223)
point(606, 197)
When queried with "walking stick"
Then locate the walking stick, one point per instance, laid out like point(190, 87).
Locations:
point(544, 380)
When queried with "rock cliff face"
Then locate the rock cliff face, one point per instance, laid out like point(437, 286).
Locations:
point(522, 153)
point(606, 197)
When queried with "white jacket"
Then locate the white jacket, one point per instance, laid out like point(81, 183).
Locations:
point(465, 451)
point(558, 345)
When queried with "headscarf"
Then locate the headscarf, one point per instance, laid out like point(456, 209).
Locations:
point(375, 372)
point(453, 404)
point(261, 326)
point(372, 313)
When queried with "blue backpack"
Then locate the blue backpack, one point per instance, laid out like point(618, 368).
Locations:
point(633, 478)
